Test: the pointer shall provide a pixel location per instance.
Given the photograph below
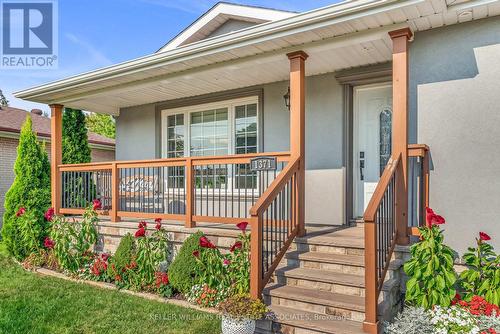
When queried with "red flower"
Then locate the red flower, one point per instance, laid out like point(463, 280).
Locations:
point(432, 218)
point(20, 212)
point(96, 204)
point(242, 226)
point(205, 243)
point(484, 237)
point(48, 243)
point(118, 278)
point(105, 256)
point(140, 232)
point(49, 214)
point(161, 279)
point(158, 224)
point(237, 245)
point(196, 253)
point(158, 220)
point(142, 224)
point(226, 262)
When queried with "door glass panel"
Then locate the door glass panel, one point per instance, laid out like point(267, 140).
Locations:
point(385, 138)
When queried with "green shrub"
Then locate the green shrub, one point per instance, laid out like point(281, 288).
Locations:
point(482, 278)
point(430, 270)
point(123, 256)
point(75, 146)
point(182, 271)
point(30, 190)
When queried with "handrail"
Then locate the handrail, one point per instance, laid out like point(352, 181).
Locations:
point(274, 221)
point(383, 183)
point(382, 221)
point(274, 187)
point(282, 156)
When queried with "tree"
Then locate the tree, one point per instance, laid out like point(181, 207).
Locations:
point(101, 124)
point(3, 101)
point(75, 145)
point(30, 190)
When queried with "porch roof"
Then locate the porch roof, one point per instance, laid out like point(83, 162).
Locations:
point(344, 35)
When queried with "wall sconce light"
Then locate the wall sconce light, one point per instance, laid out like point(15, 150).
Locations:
point(286, 97)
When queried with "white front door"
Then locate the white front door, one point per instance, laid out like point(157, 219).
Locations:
point(371, 140)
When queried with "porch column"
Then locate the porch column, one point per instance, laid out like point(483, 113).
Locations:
point(297, 127)
point(400, 40)
point(55, 154)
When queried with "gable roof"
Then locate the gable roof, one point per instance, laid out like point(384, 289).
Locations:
point(218, 15)
point(13, 119)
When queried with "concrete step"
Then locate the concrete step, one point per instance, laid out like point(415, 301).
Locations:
point(341, 263)
point(348, 264)
point(293, 321)
point(322, 302)
point(349, 241)
point(321, 280)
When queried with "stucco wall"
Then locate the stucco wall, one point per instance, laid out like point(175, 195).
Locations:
point(455, 99)
point(139, 133)
point(136, 133)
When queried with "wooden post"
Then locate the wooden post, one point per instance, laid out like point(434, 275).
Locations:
point(115, 183)
point(297, 127)
point(55, 155)
point(400, 39)
point(370, 325)
point(189, 194)
point(256, 257)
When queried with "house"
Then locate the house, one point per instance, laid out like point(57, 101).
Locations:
point(11, 121)
point(330, 131)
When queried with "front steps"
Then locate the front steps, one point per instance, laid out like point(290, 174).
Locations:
point(319, 286)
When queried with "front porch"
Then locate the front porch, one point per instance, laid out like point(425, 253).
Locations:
point(268, 189)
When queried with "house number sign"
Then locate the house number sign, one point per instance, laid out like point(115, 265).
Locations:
point(263, 164)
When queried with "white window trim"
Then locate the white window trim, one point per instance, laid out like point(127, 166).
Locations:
point(186, 111)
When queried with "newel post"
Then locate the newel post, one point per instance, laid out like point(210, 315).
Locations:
point(297, 127)
point(400, 40)
point(55, 154)
point(256, 256)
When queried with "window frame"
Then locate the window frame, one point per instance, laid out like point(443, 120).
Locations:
point(188, 110)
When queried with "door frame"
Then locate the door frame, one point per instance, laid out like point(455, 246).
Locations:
point(349, 79)
point(355, 137)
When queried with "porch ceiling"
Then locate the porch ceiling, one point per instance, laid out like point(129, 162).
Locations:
point(340, 53)
point(345, 35)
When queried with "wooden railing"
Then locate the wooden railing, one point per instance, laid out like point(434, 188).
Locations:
point(275, 223)
point(419, 156)
point(196, 189)
point(382, 223)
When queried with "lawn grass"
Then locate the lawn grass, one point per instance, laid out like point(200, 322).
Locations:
point(30, 303)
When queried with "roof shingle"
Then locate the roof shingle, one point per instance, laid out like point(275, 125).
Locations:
point(12, 119)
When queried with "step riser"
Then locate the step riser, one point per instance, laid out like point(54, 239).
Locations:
point(320, 309)
point(326, 249)
point(333, 267)
point(323, 286)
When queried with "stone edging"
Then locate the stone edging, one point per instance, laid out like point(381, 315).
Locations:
point(109, 286)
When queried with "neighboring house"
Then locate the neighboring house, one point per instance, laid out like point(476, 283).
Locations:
point(11, 121)
point(332, 94)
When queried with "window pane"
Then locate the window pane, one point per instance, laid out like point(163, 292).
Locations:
point(246, 128)
point(209, 132)
point(175, 136)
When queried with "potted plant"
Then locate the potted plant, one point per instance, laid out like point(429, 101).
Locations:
point(239, 314)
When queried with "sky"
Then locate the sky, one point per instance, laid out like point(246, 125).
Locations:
point(99, 33)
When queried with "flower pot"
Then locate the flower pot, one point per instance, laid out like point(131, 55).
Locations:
point(237, 326)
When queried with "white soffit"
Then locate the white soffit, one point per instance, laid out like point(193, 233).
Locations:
point(174, 71)
point(218, 15)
